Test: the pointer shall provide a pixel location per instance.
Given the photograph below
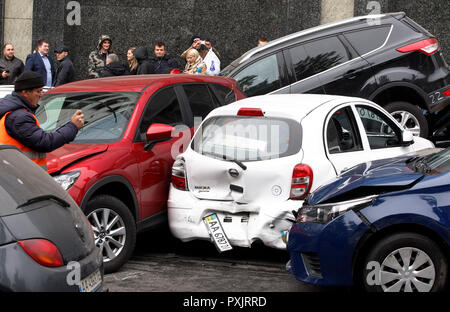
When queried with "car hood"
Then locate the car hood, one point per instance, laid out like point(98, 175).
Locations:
point(70, 153)
point(370, 178)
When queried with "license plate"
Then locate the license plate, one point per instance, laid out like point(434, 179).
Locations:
point(92, 282)
point(217, 233)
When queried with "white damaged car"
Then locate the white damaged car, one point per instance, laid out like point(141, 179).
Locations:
point(252, 162)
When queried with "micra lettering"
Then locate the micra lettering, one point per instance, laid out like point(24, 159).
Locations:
point(194, 302)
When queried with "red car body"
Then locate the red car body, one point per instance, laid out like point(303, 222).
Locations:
point(125, 169)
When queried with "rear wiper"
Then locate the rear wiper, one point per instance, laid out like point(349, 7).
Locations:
point(112, 111)
point(41, 198)
point(237, 162)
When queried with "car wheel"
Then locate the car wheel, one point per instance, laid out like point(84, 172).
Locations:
point(114, 230)
point(405, 262)
point(410, 117)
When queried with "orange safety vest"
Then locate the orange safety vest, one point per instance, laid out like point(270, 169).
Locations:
point(39, 158)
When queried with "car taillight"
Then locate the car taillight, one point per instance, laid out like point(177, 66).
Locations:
point(427, 46)
point(43, 252)
point(179, 175)
point(302, 179)
point(255, 112)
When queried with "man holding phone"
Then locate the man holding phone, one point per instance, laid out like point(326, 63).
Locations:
point(10, 66)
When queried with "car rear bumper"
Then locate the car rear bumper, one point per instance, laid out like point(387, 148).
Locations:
point(20, 273)
point(322, 254)
point(243, 224)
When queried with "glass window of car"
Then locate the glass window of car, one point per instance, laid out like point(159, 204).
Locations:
point(163, 108)
point(248, 138)
point(260, 77)
point(200, 99)
point(106, 114)
point(367, 40)
point(326, 53)
point(341, 132)
point(303, 64)
point(380, 130)
point(225, 93)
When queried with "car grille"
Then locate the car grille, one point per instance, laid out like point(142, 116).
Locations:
point(312, 264)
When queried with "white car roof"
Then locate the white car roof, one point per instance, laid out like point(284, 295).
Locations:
point(293, 106)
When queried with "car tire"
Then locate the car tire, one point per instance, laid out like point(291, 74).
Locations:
point(409, 116)
point(116, 240)
point(385, 268)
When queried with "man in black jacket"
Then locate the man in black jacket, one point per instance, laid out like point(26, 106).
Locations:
point(162, 62)
point(20, 127)
point(10, 66)
point(65, 72)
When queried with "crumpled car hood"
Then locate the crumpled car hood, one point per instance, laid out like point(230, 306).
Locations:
point(375, 177)
point(69, 153)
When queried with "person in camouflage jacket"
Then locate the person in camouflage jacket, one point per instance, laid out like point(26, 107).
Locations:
point(97, 59)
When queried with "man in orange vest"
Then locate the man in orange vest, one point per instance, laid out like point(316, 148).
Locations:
point(20, 127)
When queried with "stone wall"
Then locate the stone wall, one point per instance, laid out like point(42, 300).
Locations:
point(233, 26)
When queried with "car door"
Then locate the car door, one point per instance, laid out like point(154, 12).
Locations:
point(339, 69)
point(265, 75)
point(343, 145)
point(302, 71)
point(154, 165)
point(380, 132)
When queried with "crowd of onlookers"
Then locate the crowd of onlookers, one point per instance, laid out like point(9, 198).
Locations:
point(201, 58)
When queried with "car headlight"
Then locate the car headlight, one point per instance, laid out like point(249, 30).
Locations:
point(326, 212)
point(66, 180)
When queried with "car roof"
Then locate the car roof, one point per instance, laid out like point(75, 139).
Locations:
point(135, 83)
point(328, 26)
point(294, 106)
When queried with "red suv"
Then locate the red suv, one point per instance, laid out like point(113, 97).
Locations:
point(118, 168)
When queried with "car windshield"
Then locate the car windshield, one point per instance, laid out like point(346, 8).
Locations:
point(106, 114)
point(238, 138)
point(434, 163)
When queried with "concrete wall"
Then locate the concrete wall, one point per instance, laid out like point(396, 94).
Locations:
point(17, 25)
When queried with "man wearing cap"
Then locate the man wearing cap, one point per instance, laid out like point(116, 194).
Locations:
point(41, 63)
point(65, 72)
point(97, 59)
point(20, 127)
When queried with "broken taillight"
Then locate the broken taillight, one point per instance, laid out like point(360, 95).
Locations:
point(302, 179)
point(427, 46)
point(179, 175)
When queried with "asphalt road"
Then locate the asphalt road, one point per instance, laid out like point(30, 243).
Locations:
point(162, 263)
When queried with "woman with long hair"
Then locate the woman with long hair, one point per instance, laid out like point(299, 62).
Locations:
point(194, 63)
point(132, 61)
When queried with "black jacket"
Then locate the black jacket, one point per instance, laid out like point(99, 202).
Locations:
point(65, 72)
point(145, 66)
point(21, 125)
point(115, 69)
point(164, 64)
point(15, 67)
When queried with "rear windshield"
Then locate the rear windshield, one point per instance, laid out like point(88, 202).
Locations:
point(247, 138)
point(106, 114)
point(21, 180)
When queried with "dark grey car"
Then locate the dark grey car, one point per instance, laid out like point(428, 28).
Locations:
point(46, 242)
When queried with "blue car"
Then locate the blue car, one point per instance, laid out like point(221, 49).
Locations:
point(382, 225)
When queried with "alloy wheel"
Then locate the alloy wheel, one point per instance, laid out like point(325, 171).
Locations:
point(407, 270)
point(109, 232)
point(408, 121)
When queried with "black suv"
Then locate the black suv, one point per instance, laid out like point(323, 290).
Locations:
point(386, 58)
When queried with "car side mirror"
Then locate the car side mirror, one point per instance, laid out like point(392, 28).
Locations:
point(407, 138)
point(158, 133)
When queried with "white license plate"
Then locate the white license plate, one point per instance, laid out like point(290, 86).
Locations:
point(217, 233)
point(92, 282)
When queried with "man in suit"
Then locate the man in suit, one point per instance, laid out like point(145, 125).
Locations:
point(40, 62)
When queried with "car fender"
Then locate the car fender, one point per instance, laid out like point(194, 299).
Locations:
point(107, 180)
point(405, 84)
